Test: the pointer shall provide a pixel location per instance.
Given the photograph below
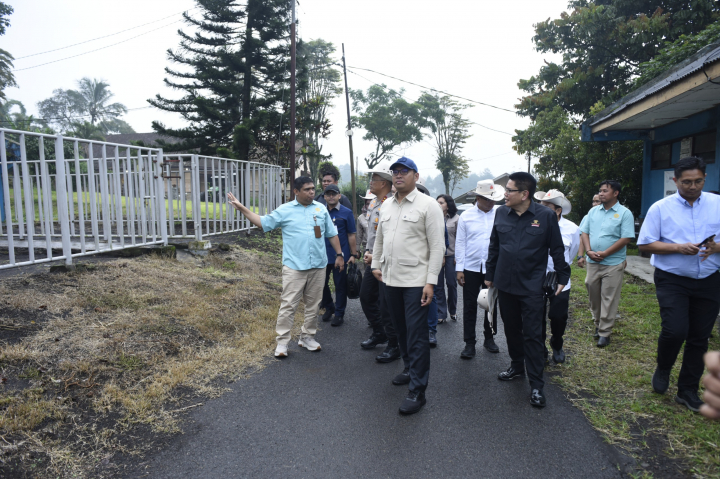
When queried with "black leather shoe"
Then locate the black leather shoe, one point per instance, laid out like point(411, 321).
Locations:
point(490, 345)
point(412, 403)
point(558, 356)
point(510, 374)
point(537, 398)
point(391, 353)
point(661, 380)
point(337, 320)
point(596, 334)
point(453, 317)
point(373, 341)
point(689, 399)
point(433, 339)
point(603, 341)
point(469, 351)
point(327, 315)
point(403, 378)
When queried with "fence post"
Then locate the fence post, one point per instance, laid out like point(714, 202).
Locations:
point(62, 199)
point(195, 196)
point(160, 197)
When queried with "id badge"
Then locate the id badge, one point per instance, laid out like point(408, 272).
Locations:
point(318, 233)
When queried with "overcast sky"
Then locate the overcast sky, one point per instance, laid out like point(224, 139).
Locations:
point(475, 49)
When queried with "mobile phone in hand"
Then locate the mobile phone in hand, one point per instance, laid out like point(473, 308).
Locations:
point(706, 240)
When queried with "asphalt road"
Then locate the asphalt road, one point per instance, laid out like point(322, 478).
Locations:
point(334, 414)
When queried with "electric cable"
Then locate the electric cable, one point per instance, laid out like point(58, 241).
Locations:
point(97, 49)
point(105, 36)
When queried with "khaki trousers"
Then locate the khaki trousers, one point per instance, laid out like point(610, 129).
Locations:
point(306, 285)
point(604, 283)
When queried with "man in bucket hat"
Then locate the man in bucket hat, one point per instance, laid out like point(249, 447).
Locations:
point(471, 253)
point(559, 303)
point(407, 257)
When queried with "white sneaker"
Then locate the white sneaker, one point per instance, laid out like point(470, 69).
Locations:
point(309, 343)
point(281, 351)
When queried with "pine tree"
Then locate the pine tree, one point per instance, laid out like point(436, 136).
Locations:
point(232, 74)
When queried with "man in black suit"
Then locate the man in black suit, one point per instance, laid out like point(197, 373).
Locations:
point(522, 235)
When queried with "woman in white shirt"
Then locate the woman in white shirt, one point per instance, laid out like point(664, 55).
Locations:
point(447, 274)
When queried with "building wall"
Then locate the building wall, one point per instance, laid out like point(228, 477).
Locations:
point(654, 180)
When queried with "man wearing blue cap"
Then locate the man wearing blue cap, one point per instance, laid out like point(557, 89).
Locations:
point(407, 257)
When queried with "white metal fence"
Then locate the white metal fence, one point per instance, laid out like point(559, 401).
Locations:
point(67, 197)
point(196, 187)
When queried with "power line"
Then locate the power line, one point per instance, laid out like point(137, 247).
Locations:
point(105, 36)
point(472, 122)
point(435, 89)
point(97, 49)
point(65, 117)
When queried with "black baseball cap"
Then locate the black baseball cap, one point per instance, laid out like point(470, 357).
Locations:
point(332, 188)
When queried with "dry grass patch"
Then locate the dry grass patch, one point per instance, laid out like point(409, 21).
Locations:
point(127, 345)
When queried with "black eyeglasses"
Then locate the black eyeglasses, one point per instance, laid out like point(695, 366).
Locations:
point(510, 190)
point(402, 172)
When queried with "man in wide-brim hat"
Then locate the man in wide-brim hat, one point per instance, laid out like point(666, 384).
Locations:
point(471, 252)
point(559, 304)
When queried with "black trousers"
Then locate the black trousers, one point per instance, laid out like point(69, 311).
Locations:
point(474, 281)
point(410, 321)
point(688, 308)
point(523, 319)
point(372, 301)
point(558, 315)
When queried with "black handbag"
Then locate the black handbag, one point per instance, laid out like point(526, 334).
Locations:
point(354, 281)
point(550, 284)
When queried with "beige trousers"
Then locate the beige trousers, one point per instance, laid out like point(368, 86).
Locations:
point(306, 285)
point(604, 283)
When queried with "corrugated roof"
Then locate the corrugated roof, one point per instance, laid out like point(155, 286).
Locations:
point(704, 57)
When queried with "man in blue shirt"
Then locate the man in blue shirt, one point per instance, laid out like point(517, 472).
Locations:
point(679, 231)
point(605, 234)
point(344, 221)
point(304, 223)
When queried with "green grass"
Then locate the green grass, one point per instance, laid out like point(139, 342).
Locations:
point(207, 210)
point(612, 385)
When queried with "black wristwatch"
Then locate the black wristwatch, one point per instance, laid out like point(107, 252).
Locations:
point(339, 255)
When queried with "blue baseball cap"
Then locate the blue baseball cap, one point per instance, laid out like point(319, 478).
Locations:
point(407, 162)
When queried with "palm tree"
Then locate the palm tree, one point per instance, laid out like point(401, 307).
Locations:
point(92, 98)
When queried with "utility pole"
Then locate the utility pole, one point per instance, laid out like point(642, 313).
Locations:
point(528, 156)
point(292, 101)
point(349, 135)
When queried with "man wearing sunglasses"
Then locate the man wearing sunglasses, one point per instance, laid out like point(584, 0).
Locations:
point(523, 234)
point(680, 232)
point(407, 257)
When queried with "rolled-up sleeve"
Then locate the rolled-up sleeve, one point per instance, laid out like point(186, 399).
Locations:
point(435, 231)
point(650, 229)
point(273, 220)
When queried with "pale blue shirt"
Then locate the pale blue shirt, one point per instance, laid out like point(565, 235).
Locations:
point(605, 228)
point(673, 220)
point(301, 249)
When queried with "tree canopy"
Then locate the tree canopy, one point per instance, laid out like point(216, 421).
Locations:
point(388, 119)
point(231, 75)
point(607, 47)
point(69, 110)
point(7, 78)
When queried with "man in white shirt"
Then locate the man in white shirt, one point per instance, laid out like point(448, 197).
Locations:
point(471, 253)
point(559, 304)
